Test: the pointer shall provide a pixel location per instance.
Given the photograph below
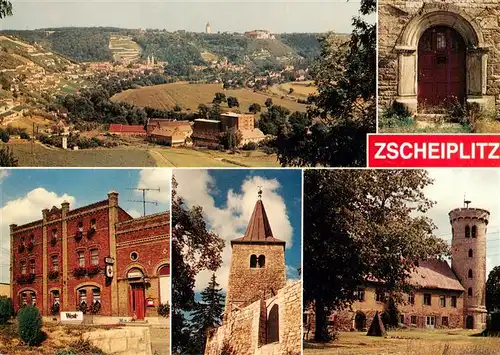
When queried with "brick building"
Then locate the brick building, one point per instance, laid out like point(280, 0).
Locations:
point(95, 258)
point(262, 313)
point(434, 52)
point(206, 133)
point(443, 296)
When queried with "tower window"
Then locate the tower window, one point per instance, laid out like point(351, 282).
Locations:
point(467, 232)
point(470, 274)
point(471, 253)
point(474, 231)
point(469, 292)
point(262, 261)
point(253, 261)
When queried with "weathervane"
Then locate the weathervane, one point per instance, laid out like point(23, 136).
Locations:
point(466, 202)
point(259, 194)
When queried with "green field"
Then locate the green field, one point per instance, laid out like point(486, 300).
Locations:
point(409, 342)
point(189, 96)
point(301, 90)
point(42, 156)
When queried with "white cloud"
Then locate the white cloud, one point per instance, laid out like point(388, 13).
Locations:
point(4, 173)
point(154, 179)
point(23, 210)
point(230, 221)
point(482, 187)
point(134, 213)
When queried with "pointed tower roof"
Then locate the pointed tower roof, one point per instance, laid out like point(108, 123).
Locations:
point(258, 229)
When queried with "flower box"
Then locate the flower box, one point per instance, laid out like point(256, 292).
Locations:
point(79, 272)
point(30, 246)
point(90, 233)
point(25, 279)
point(53, 275)
point(78, 235)
point(93, 270)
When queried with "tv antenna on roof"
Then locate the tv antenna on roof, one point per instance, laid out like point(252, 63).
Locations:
point(144, 201)
point(466, 202)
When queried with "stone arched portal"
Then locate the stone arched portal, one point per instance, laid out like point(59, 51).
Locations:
point(407, 50)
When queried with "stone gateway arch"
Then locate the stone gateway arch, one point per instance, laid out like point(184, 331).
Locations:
point(435, 53)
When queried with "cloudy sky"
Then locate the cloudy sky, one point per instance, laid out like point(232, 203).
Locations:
point(25, 193)
point(228, 198)
point(482, 187)
point(228, 15)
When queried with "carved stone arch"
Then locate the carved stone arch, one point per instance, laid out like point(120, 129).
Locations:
point(160, 265)
point(476, 53)
point(135, 265)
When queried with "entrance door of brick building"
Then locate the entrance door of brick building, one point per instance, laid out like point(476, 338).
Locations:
point(137, 300)
point(441, 69)
point(469, 322)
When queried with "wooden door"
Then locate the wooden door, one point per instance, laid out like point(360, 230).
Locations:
point(441, 68)
point(137, 301)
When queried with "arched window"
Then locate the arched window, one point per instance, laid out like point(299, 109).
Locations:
point(469, 291)
point(474, 231)
point(262, 261)
point(470, 274)
point(471, 253)
point(253, 261)
point(467, 232)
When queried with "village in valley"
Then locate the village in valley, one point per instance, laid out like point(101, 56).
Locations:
point(138, 108)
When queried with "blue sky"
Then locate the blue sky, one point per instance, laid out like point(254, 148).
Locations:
point(228, 198)
point(25, 192)
point(227, 15)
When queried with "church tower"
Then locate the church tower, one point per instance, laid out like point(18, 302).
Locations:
point(468, 260)
point(257, 264)
point(208, 28)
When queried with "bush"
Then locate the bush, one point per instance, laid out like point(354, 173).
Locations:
point(164, 310)
point(80, 347)
point(249, 146)
point(6, 309)
point(30, 325)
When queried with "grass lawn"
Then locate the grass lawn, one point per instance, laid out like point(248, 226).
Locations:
point(122, 157)
point(409, 342)
point(26, 122)
point(180, 157)
point(189, 96)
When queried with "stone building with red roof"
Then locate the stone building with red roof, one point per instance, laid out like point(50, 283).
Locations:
point(443, 296)
point(263, 310)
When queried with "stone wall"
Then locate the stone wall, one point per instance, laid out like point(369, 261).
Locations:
point(123, 341)
point(242, 330)
point(246, 284)
point(476, 21)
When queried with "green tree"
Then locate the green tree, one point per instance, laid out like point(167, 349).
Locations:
point(493, 290)
point(254, 108)
point(203, 110)
point(219, 98)
point(269, 102)
point(30, 325)
point(6, 309)
point(232, 102)
point(392, 313)
point(359, 223)
point(215, 112)
point(345, 103)
point(194, 249)
point(5, 8)
point(231, 139)
point(271, 120)
point(208, 313)
point(7, 158)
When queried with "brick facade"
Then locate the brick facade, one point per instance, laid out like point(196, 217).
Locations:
point(61, 258)
point(401, 26)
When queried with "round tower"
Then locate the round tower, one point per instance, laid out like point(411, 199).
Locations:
point(468, 260)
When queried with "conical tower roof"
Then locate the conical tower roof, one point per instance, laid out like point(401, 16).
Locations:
point(258, 230)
